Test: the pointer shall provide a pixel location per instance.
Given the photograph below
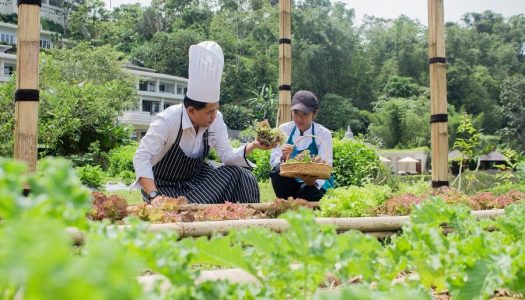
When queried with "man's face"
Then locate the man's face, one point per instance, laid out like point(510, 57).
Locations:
point(205, 116)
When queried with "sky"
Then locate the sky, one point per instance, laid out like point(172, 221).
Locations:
point(416, 9)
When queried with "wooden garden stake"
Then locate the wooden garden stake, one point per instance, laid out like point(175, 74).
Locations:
point(27, 93)
point(438, 93)
point(285, 62)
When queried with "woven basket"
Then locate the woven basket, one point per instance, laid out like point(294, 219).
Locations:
point(306, 169)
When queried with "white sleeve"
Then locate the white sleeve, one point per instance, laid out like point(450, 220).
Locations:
point(325, 152)
point(151, 145)
point(228, 155)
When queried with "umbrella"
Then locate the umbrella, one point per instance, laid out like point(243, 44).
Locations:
point(408, 160)
point(384, 159)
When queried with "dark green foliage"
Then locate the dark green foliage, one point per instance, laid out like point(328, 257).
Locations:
point(512, 99)
point(338, 112)
point(51, 26)
point(400, 87)
point(236, 117)
point(10, 18)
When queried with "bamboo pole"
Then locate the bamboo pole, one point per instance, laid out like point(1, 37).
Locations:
point(285, 62)
point(376, 225)
point(438, 93)
point(379, 227)
point(26, 96)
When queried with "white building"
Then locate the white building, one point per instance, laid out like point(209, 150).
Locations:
point(50, 9)
point(156, 92)
point(8, 36)
point(7, 63)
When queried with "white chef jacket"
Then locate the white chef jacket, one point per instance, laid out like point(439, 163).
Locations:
point(163, 132)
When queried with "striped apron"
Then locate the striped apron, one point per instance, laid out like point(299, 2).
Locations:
point(177, 174)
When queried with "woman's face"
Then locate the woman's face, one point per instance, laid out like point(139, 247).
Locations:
point(302, 120)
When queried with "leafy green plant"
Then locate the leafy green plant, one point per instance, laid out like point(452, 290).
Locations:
point(92, 176)
point(354, 163)
point(353, 201)
point(121, 162)
point(262, 159)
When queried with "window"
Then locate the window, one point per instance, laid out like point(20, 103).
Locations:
point(44, 44)
point(162, 88)
point(9, 69)
point(185, 91)
point(152, 107)
point(179, 90)
point(151, 86)
point(7, 38)
point(143, 86)
point(166, 105)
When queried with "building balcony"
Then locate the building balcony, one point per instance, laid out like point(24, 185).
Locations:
point(139, 119)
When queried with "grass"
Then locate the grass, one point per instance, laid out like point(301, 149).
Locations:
point(135, 196)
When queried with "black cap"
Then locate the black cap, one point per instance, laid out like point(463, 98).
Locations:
point(305, 101)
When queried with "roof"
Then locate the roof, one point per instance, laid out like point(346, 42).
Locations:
point(493, 156)
point(455, 155)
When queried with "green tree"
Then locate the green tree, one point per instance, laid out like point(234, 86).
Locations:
point(401, 123)
point(85, 20)
point(337, 112)
point(512, 101)
point(400, 87)
point(467, 142)
point(83, 90)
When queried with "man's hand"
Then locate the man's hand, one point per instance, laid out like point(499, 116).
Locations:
point(287, 150)
point(157, 201)
point(257, 145)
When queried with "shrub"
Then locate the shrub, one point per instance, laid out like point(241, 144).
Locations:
point(262, 159)
point(501, 189)
point(354, 163)
point(92, 176)
point(473, 182)
point(121, 162)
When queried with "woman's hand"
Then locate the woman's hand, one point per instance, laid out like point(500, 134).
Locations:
point(287, 150)
point(309, 180)
point(318, 159)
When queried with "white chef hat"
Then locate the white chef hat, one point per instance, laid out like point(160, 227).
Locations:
point(205, 72)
